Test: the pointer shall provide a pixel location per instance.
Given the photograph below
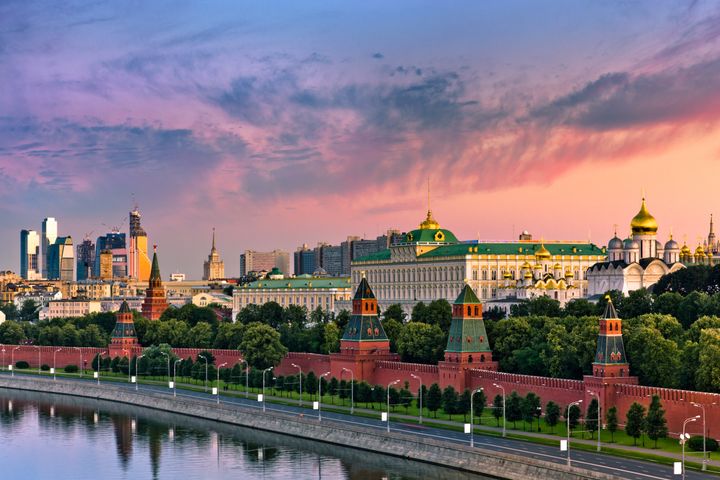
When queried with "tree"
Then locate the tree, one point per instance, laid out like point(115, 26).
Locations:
point(261, 346)
point(333, 385)
point(394, 312)
point(707, 376)
point(634, 421)
point(514, 408)
point(393, 328)
point(421, 343)
point(29, 311)
point(656, 424)
point(394, 397)
point(406, 398)
point(439, 312)
point(552, 415)
point(573, 415)
point(229, 335)
point(579, 307)
point(463, 404)
point(591, 417)
point(479, 402)
point(91, 336)
point(11, 333)
point(331, 338)
point(249, 314)
point(311, 383)
point(668, 303)
point(654, 359)
point(638, 302)
point(532, 409)
point(271, 313)
point(449, 400)
point(200, 336)
point(611, 421)
point(434, 399)
point(498, 405)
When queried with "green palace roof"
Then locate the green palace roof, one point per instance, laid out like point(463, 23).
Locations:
point(430, 235)
point(299, 283)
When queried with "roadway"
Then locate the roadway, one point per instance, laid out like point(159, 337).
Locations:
point(595, 461)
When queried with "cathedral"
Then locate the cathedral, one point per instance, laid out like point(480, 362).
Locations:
point(640, 260)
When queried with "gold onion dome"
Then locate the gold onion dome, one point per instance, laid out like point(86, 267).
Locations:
point(542, 252)
point(700, 251)
point(685, 250)
point(429, 223)
point(643, 222)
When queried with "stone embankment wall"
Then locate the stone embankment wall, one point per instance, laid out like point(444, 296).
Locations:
point(499, 465)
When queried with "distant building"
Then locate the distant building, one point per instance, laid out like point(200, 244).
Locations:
point(106, 265)
point(61, 260)
point(29, 255)
point(252, 261)
point(85, 259)
point(304, 260)
point(177, 277)
point(49, 235)
point(209, 298)
point(329, 258)
point(138, 259)
point(213, 267)
point(155, 299)
point(116, 243)
point(305, 291)
point(72, 308)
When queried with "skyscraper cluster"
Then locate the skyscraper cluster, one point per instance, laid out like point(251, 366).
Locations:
point(56, 259)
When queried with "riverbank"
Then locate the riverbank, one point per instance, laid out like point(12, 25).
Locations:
point(427, 450)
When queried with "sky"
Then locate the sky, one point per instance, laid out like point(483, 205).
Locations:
point(282, 123)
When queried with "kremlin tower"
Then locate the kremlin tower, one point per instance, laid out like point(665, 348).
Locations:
point(155, 301)
point(124, 342)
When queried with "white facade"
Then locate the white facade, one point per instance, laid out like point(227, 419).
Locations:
point(72, 308)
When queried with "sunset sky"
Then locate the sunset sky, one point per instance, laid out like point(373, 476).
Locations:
point(282, 123)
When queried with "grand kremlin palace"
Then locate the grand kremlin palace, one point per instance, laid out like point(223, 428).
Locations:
point(430, 263)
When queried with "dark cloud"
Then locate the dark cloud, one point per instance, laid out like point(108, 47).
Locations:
point(621, 100)
point(378, 55)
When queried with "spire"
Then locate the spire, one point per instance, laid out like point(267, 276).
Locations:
point(155, 270)
point(609, 309)
point(467, 335)
point(610, 360)
point(213, 249)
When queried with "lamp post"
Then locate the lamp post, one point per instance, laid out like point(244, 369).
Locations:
point(168, 364)
point(247, 378)
point(352, 392)
point(99, 359)
point(684, 440)
point(175, 376)
point(420, 395)
point(3, 360)
point(503, 392)
point(568, 428)
point(81, 360)
point(300, 377)
point(472, 425)
point(263, 390)
point(218, 381)
point(54, 372)
point(702, 406)
point(137, 380)
point(12, 360)
point(599, 418)
point(388, 402)
point(320, 395)
point(206, 369)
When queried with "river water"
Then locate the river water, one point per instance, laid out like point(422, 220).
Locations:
point(47, 436)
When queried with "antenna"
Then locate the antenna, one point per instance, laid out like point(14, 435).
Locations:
point(428, 192)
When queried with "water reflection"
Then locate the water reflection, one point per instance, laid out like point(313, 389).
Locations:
point(52, 436)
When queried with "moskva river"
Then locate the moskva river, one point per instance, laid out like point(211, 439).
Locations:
point(58, 437)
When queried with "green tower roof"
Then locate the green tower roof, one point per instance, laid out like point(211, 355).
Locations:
point(124, 308)
point(363, 291)
point(155, 270)
point(467, 296)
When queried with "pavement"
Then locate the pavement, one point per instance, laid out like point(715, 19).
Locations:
point(595, 461)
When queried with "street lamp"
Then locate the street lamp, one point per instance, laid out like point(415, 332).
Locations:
point(247, 378)
point(218, 381)
point(503, 392)
point(81, 360)
point(352, 392)
point(702, 406)
point(599, 419)
point(472, 424)
point(684, 439)
point(3, 360)
point(263, 390)
point(300, 377)
point(206, 369)
point(12, 361)
point(320, 395)
point(167, 355)
point(137, 380)
point(420, 395)
point(388, 402)
point(175, 377)
point(99, 359)
point(568, 428)
point(54, 353)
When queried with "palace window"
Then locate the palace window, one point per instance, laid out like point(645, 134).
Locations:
point(474, 274)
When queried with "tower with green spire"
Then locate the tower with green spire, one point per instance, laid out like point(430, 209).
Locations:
point(610, 360)
point(155, 300)
point(364, 330)
point(467, 347)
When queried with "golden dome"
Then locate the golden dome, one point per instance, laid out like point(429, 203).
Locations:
point(429, 223)
point(700, 251)
point(685, 250)
point(526, 265)
point(542, 252)
point(643, 222)
point(528, 275)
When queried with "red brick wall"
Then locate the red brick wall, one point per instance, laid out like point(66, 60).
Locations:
point(66, 355)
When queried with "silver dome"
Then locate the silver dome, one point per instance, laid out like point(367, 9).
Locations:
point(615, 244)
point(672, 245)
point(630, 244)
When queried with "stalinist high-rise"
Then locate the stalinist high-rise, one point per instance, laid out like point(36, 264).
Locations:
point(138, 259)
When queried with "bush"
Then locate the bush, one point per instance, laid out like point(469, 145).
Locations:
point(696, 443)
point(22, 364)
point(45, 367)
point(71, 369)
